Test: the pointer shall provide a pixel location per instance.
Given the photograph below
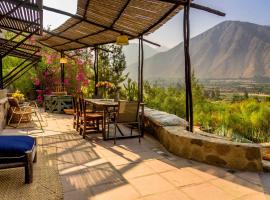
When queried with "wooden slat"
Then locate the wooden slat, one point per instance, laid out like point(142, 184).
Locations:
point(110, 19)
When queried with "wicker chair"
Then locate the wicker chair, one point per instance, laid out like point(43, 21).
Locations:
point(19, 113)
point(23, 113)
point(127, 114)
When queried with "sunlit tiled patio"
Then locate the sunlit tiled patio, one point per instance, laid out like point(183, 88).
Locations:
point(95, 169)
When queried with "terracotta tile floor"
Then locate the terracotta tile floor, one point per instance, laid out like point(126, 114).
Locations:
point(97, 170)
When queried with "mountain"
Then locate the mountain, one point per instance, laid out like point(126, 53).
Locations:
point(230, 49)
point(131, 52)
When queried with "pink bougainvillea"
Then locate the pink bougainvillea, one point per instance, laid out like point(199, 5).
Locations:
point(39, 97)
point(36, 82)
point(46, 73)
point(66, 81)
point(49, 59)
point(85, 82)
point(80, 62)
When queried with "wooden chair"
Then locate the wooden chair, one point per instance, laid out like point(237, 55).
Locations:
point(76, 112)
point(128, 114)
point(88, 120)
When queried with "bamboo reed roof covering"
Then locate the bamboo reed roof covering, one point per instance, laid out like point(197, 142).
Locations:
point(99, 22)
point(24, 51)
point(21, 15)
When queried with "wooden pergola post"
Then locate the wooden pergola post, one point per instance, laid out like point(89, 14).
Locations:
point(189, 103)
point(62, 72)
point(1, 74)
point(96, 70)
point(139, 71)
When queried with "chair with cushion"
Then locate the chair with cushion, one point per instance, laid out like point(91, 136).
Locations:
point(127, 114)
point(18, 151)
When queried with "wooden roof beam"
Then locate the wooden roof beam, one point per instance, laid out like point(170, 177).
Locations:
point(18, 5)
point(196, 6)
point(63, 37)
point(26, 4)
point(93, 23)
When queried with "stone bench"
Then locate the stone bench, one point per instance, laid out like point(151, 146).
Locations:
point(204, 148)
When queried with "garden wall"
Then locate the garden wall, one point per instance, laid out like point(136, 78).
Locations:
point(3, 108)
point(203, 148)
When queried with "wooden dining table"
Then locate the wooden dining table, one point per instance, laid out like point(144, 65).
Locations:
point(105, 104)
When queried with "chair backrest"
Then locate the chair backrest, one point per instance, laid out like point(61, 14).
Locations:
point(128, 111)
point(13, 102)
point(74, 104)
point(81, 105)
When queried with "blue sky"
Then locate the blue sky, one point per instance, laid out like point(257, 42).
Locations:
point(170, 34)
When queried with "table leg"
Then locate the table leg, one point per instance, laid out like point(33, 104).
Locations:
point(104, 125)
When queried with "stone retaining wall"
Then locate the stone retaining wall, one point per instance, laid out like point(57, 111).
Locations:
point(210, 150)
point(3, 108)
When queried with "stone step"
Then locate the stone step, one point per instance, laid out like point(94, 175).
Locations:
point(266, 165)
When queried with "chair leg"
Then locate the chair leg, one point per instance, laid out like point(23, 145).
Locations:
point(139, 129)
point(35, 158)
point(77, 123)
point(10, 118)
point(115, 133)
point(98, 125)
point(41, 127)
point(28, 168)
point(74, 122)
point(84, 129)
point(19, 121)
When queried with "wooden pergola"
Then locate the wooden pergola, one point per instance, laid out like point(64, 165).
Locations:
point(24, 18)
point(99, 22)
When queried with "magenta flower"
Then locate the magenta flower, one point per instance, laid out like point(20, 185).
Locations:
point(66, 82)
point(36, 82)
point(39, 92)
point(80, 62)
point(85, 82)
point(39, 98)
point(49, 59)
point(80, 76)
point(46, 73)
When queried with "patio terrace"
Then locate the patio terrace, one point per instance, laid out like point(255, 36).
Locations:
point(97, 169)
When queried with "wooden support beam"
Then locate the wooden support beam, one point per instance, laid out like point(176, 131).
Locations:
point(18, 5)
point(1, 74)
point(17, 77)
point(22, 63)
point(186, 33)
point(26, 4)
point(62, 65)
point(207, 9)
point(18, 44)
point(63, 37)
point(11, 78)
point(93, 23)
point(96, 71)
point(141, 68)
point(196, 6)
point(139, 71)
